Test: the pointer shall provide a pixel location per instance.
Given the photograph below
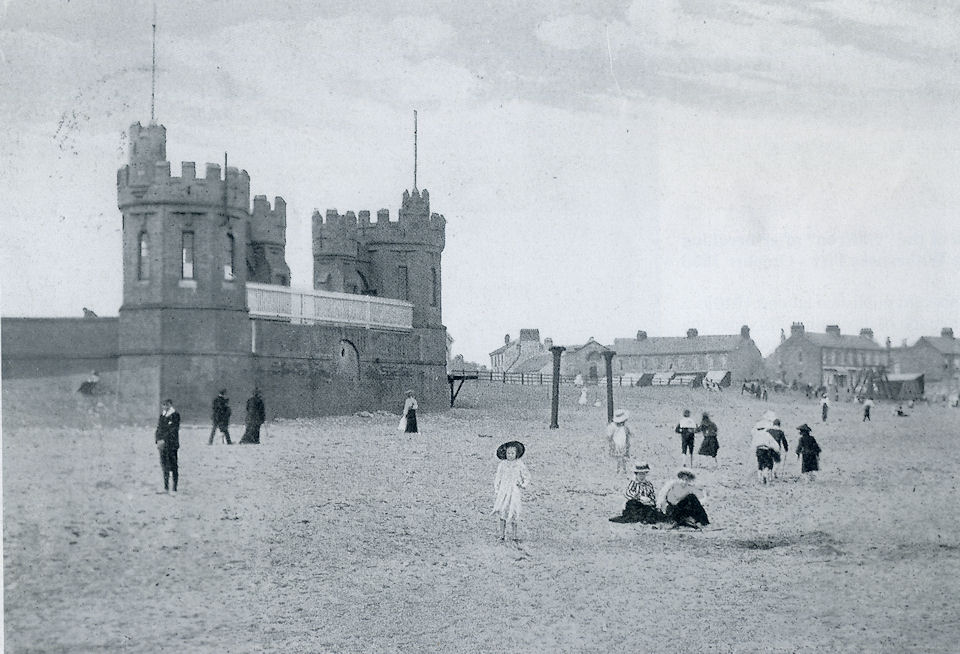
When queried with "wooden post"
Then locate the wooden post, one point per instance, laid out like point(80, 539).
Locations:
point(557, 350)
point(608, 366)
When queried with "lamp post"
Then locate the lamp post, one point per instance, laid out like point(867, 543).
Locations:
point(608, 365)
point(557, 350)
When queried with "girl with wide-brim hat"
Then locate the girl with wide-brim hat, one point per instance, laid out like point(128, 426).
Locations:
point(618, 439)
point(511, 478)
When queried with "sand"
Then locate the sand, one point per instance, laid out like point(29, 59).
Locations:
point(342, 535)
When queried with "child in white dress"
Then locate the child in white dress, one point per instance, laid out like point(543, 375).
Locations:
point(512, 476)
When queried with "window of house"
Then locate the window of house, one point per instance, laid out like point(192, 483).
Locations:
point(436, 287)
point(228, 258)
point(403, 283)
point(186, 255)
point(143, 256)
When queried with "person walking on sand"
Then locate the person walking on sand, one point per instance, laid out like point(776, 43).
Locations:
point(618, 438)
point(687, 427)
point(767, 450)
point(167, 438)
point(781, 439)
point(641, 499)
point(809, 452)
point(511, 478)
point(678, 501)
point(709, 446)
point(824, 407)
point(410, 407)
point(256, 416)
point(867, 406)
point(582, 400)
point(221, 417)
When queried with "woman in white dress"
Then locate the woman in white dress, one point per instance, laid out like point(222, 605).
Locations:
point(511, 478)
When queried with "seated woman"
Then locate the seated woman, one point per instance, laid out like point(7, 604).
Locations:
point(678, 501)
point(641, 502)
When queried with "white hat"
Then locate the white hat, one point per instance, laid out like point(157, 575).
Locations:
point(621, 416)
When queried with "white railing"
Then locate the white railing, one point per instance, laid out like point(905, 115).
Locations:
point(312, 307)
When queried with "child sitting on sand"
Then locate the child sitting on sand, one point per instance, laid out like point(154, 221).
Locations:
point(641, 499)
point(678, 501)
point(618, 437)
point(511, 477)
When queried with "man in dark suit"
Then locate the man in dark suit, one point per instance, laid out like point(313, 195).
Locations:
point(168, 442)
point(256, 415)
point(221, 417)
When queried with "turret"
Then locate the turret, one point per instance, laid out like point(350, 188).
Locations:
point(266, 247)
point(336, 252)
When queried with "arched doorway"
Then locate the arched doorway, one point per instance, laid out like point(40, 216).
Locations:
point(348, 361)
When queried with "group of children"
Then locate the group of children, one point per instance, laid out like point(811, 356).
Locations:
point(771, 446)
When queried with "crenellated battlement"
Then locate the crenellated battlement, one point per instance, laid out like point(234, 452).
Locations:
point(138, 184)
point(268, 225)
point(415, 226)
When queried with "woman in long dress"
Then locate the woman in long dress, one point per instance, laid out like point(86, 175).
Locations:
point(410, 413)
point(809, 452)
point(511, 478)
point(710, 445)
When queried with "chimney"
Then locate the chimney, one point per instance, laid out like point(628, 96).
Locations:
point(506, 339)
point(745, 333)
point(796, 329)
point(866, 333)
point(946, 332)
point(692, 333)
point(834, 330)
point(641, 335)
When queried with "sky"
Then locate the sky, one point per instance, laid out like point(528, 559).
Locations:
point(604, 167)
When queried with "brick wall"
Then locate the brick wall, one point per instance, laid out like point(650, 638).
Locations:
point(34, 347)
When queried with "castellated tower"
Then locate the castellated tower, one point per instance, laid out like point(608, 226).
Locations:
point(184, 327)
point(394, 259)
point(267, 240)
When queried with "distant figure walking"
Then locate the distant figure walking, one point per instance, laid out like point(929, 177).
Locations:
point(256, 416)
point(766, 449)
point(710, 445)
point(167, 438)
point(409, 416)
point(511, 478)
point(824, 407)
point(582, 401)
point(867, 406)
point(220, 415)
point(678, 501)
point(781, 439)
point(809, 452)
point(618, 437)
point(687, 427)
point(641, 499)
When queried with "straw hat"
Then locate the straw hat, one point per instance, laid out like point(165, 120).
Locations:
point(686, 472)
point(642, 466)
point(621, 416)
point(502, 450)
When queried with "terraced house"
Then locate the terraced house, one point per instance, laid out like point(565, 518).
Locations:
point(829, 358)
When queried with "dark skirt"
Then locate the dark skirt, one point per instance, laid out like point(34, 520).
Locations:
point(709, 446)
point(412, 422)
point(766, 458)
point(809, 462)
point(688, 507)
point(636, 511)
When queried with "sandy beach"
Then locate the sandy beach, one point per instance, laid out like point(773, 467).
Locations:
point(342, 535)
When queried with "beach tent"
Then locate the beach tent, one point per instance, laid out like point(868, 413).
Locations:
point(907, 386)
point(721, 377)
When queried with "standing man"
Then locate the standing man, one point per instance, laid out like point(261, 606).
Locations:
point(256, 416)
point(824, 406)
point(221, 417)
point(867, 406)
point(167, 438)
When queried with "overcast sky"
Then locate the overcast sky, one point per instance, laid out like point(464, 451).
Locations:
point(603, 167)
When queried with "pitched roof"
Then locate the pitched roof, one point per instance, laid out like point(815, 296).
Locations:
point(848, 341)
point(576, 348)
point(942, 344)
point(678, 344)
point(503, 348)
point(535, 363)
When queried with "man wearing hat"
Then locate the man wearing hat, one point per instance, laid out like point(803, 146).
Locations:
point(641, 499)
point(221, 417)
point(167, 438)
point(618, 435)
